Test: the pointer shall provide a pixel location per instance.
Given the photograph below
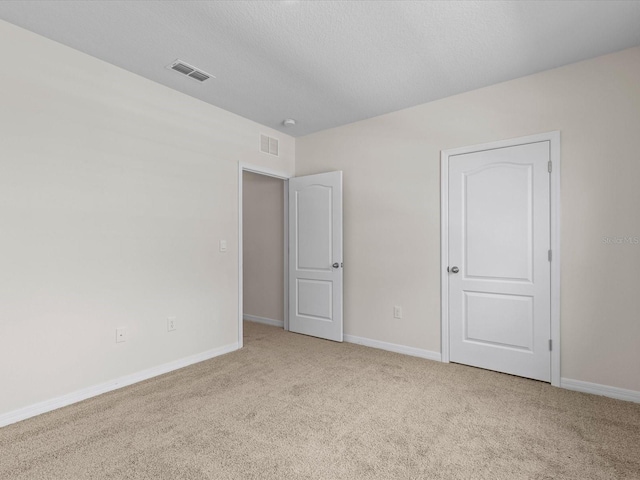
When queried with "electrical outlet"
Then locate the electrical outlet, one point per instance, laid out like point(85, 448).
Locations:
point(171, 324)
point(121, 334)
point(397, 312)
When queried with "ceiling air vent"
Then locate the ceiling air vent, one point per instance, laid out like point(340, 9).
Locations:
point(269, 145)
point(199, 76)
point(189, 70)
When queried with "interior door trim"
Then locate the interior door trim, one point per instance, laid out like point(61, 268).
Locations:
point(245, 167)
point(554, 154)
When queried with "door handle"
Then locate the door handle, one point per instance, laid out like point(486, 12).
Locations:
point(454, 270)
point(336, 265)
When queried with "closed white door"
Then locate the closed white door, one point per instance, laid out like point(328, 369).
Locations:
point(499, 262)
point(315, 255)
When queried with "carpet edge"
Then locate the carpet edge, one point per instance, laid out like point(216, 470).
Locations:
point(394, 347)
point(598, 389)
point(45, 406)
point(263, 320)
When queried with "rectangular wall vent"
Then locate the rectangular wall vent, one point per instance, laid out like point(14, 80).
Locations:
point(189, 70)
point(269, 145)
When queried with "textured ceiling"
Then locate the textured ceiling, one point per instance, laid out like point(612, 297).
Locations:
point(331, 63)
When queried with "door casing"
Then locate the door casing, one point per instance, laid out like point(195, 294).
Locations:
point(554, 141)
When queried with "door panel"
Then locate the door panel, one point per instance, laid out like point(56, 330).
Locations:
point(315, 246)
point(498, 200)
point(315, 299)
point(314, 228)
point(499, 320)
point(499, 238)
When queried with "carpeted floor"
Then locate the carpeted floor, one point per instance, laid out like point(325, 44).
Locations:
point(294, 407)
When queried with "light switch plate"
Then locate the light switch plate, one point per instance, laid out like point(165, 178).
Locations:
point(223, 245)
point(121, 334)
point(171, 324)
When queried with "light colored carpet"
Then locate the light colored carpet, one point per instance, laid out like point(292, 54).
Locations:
point(294, 407)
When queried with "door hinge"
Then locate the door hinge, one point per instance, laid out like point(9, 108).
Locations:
point(550, 255)
point(550, 345)
point(549, 166)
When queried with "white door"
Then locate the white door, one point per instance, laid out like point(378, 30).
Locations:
point(315, 255)
point(499, 264)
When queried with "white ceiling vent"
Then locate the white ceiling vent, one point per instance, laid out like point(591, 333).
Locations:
point(269, 145)
point(189, 70)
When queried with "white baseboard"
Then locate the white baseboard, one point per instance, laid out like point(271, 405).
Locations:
point(79, 395)
point(393, 347)
point(597, 389)
point(263, 320)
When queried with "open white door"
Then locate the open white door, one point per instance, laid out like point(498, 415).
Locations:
point(315, 255)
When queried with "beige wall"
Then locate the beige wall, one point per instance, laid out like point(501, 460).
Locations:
point(392, 207)
point(263, 246)
point(114, 194)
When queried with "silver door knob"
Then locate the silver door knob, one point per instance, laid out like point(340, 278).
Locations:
point(336, 265)
point(455, 269)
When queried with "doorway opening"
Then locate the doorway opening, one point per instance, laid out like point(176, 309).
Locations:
point(262, 252)
point(311, 233)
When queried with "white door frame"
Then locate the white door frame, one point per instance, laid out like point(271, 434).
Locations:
point(245, 167)
point(554, 154)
